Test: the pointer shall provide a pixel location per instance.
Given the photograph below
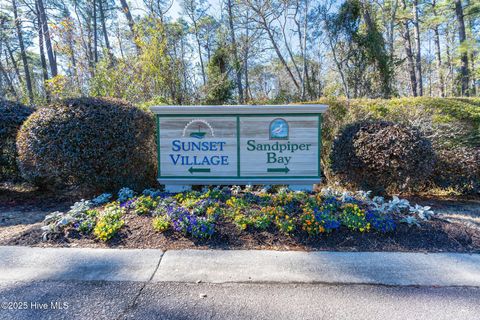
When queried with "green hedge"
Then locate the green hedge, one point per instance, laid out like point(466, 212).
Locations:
point(382, 156)
point(12, 115)
point(88, 144)
point(449, 123)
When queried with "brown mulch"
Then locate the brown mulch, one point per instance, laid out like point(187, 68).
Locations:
point(22, 210)
point(433, 236)
point(24, 197)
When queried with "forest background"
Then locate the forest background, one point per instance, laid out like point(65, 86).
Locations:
point(238, 51)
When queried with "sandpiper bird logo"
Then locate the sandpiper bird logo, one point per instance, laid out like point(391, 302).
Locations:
point(279, 129)
point(202, 128)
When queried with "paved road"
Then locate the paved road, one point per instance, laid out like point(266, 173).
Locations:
point(239, 266)
point(54, 283)
point(168, 300)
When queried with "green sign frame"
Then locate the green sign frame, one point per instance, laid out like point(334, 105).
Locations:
point(238, 179)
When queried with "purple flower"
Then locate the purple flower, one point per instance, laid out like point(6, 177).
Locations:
point(127, 204)
point(381, 223)
point(190, 224)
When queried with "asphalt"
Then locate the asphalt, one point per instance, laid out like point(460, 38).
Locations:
point(172, 300)
point(74, 283)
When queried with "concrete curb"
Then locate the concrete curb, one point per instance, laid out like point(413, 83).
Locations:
point(385, 268)
point(225, 266)
point(27, 264)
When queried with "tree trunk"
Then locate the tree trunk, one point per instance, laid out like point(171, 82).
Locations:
point(278, 52)
point(131, 23)
point(104, 29)
point(346, 89)
point(473, 52)
point(418, 56)
point(382, 62)
point(473, 81)
point(302, 42)
point(89, 50)
point(238, 70)
point(9, 81)
point(248, 94)
point(46, 36)
point(199, 46)
point(43, 60)
point(306, 78)
point(441, 84)
point(18, 27)
point(95, 32)
point(120, 42)
point(449, 77)
point(441, 80)
point(14, 63)
point(409, 54)
point(464, 73)
point(290, 53)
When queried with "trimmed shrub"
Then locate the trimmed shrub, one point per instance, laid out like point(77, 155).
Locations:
point(449, 123)
point(382, 156)
point(89, 144)
point(458, 169)
point(12, 115)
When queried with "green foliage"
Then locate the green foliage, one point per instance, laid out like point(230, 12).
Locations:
point(219, 87)
point(252, 217)
point(319, 216)
point(60, 87)
point(161, 223)
point(109, 223)
point(155, 101)
point(89, 144)
point(354, 218)
point(12, 115)
point(144, 205)
point(458, 169)
point(360, 44)
point(309, 223)
point(290, 213)
point(448, 123)
point(152, 76)
point(382, 156)
point(285, 222)
point(86, 225)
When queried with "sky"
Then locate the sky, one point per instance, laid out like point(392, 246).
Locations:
point(174, 12)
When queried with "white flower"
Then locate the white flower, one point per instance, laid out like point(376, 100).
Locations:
point(364, 195)
point(235, 190)
point(410, 220)
point(423, 213)
point(124, 194)
point(101, 199)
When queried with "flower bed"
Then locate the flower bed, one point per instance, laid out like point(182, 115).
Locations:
point(209, 217)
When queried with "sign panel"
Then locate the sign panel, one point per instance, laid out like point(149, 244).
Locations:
point(239, 144)
point(196, 146)
point(285, 146)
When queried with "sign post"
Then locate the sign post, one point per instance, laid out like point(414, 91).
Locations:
point(241, 145)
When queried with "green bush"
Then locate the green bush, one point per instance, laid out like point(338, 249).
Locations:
point(382, 156)
point(12, 115)
point(458, 169)
point(448, 123)
point(89, 144)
